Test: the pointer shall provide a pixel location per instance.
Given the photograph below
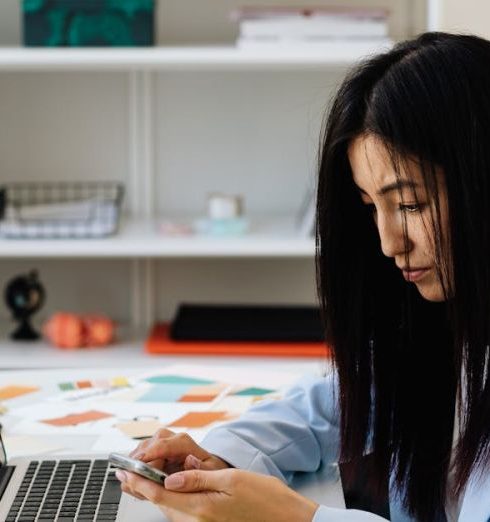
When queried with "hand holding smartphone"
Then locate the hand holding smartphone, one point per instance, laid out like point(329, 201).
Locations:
point(136, 466)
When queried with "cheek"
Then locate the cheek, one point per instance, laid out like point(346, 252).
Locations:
point(420, 235)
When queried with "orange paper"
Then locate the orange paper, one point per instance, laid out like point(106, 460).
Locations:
point(199, 419)
point(10, 392)
point(77, 418)
point(197, 398)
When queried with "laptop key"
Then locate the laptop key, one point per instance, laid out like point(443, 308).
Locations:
point(112, 493)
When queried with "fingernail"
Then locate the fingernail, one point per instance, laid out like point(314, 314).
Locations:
point(121, 475)
point(194, 462)
point(139, 456)
point(175, 481)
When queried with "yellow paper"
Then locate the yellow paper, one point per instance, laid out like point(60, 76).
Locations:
point(119, 381)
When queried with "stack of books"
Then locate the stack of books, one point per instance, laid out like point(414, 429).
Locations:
point(256, 330)
point(331, 27)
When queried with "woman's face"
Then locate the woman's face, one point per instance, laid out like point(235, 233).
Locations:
point(398, 198)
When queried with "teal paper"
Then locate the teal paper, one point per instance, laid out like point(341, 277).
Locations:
point(177, 379)
point(254, 391)
point(164, 393)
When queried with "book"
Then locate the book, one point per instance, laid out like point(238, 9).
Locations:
point(159, 342)
point(237, 322)
point(338, 49)
point(257, 12)
point(314, 27)
point(325, 26)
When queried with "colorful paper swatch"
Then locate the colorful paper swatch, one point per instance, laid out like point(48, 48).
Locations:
point(140, 429)
point(181, 391)
point(203, 393)
point(177, 379)
point(197, 398)
point(199, 419)
point(116, 382)
point(253, 391)
point(164, 393)
point(77, 418)
point(11, 392)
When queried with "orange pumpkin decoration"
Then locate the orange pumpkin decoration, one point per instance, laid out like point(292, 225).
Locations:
point(70, 331)
point(64, 330)
point(99, 330)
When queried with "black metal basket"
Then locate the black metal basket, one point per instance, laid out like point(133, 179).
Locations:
point(60, 209)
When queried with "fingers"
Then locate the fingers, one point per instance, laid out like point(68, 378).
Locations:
point(174, 447)
point(157, 494)
point(191, 482)
point(198, 480)
point(125, 488)
point(141, 447)
point(192, 462)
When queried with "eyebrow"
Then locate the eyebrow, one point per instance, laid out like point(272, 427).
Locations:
point(396, 185)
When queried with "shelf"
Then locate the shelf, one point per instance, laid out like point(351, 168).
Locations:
point(270, 237)
point(185, 58)
point(128, 353)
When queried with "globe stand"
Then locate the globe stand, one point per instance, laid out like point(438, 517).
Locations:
point(25, 332)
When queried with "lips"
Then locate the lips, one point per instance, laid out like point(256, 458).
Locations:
point(415, 274)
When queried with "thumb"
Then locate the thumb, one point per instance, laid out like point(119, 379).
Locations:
point(197, 480)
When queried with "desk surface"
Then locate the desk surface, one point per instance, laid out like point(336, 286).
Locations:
point(323, 486)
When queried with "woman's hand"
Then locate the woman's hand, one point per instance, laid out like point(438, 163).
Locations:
point(171, 452)
point(218, 496)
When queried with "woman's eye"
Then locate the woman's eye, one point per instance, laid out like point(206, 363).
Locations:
point(411, 209)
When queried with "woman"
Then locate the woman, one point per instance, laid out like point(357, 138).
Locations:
point(403, 244)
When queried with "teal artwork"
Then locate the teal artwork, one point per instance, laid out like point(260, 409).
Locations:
point(177, 379)
point(165, 393)
point(88, 23)
point(253, 391)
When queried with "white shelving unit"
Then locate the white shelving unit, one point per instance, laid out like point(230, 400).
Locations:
point(181, 58)
point(172, 123)
point(139, 238)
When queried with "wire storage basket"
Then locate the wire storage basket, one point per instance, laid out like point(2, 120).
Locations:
point(61, 210)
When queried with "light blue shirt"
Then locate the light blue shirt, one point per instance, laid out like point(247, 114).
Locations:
point(301, 432)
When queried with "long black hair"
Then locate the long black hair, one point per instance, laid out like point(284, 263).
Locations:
point(403, 361)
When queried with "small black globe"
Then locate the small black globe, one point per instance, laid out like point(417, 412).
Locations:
point(24, 296)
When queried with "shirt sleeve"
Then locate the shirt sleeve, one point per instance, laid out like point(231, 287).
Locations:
point(281, 437)
point(326, 514)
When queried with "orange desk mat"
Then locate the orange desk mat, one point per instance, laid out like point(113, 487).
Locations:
point(159, 342)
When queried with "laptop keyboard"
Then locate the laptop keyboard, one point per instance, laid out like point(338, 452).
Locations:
point(66, 491)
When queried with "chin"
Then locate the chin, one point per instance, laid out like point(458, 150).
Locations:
point(434, 293)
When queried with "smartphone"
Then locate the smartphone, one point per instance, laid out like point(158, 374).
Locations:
point(136, 466)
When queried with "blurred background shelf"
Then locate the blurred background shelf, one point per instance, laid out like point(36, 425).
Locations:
point(183, 58)
point(139, 238)
point(191, 116)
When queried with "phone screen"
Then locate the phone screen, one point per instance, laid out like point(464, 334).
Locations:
point(136, 466)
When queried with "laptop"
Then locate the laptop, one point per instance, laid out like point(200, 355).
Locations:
point(62, 489)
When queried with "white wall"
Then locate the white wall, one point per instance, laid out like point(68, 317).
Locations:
point(468, 16)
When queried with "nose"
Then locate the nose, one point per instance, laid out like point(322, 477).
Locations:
point(392, 236)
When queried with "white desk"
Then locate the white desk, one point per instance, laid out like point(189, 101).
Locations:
point(323, 486)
